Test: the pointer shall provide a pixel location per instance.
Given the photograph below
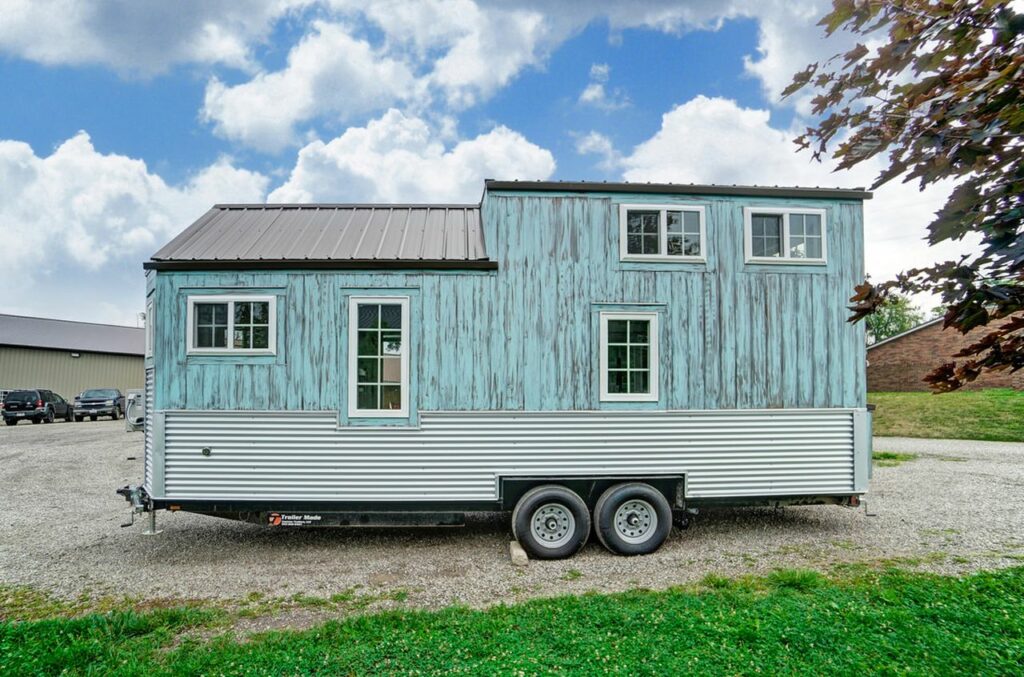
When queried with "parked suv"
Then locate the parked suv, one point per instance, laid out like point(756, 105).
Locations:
point(37, 405)
point(99, 402)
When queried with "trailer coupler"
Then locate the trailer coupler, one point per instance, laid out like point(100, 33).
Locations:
point(137, 496)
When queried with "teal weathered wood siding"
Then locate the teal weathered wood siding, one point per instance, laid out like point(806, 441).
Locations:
point(732, 335)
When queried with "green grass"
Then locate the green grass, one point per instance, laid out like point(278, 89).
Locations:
point(891, 459)
point(790, 622)
point(995, 415)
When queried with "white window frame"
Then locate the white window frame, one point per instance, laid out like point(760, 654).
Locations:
point(785, 259)
point(654, 370)
point(353, 356)
point(662, 209)
point(149, 328)
point(271, 348)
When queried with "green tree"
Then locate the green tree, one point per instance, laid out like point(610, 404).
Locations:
point(895, 316)
point(942, 98)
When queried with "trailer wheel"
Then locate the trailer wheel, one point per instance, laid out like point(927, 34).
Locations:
point(551, 522)
point(632, 519)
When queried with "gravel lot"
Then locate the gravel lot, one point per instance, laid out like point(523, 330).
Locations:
point(956, 508)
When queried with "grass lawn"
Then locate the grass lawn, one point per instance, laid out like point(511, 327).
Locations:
point(996, 415)
point(791, 622)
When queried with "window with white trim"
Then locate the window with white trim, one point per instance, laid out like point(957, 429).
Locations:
point(236, 325)
point(784, 235)
point(629, 357)
point(378, 349)
point(661, 233)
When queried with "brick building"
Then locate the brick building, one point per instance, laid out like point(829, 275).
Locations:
point(899, 363)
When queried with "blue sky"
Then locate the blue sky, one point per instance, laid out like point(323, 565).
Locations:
point(124, 121)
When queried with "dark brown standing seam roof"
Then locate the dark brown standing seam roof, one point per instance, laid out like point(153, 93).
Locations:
point(329, 236)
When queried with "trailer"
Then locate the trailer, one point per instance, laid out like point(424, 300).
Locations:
point(591, 357)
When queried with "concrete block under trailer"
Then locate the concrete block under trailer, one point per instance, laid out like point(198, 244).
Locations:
point(623, 474)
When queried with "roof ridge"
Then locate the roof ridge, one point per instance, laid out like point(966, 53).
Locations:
point(58, 319)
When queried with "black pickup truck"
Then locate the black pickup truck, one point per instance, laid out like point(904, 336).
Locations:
point(99, 402)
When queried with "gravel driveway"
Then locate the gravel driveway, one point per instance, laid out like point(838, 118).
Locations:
point(955, 508)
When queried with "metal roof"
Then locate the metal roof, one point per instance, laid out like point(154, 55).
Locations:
point(41, 332)
point(330, 235)
point(679, 189)
point(894, 337)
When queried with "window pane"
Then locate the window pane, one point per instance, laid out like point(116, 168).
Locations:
point(391, 397)
point(651, 221)
point(260, 337)
point(242, 337)
point(691, 245)
point(369, 343)
point(368, 316)
point(638, 357)
point(220, 313)
point(617, 331)
point(618, 381)
point(796, 224)
point(638, 382)
point(617, 357)
point(650, 244)
point(675, 245)
point(813, 247)
point(366, 397)
point(368, 372)
point(260, 312)
point(204, 337)
point(634, 244)
point(220, 337)
point(391, 343)
point(391, 317)
point(242, 314)
point(812, 224)
point(674, 222)
point(638, 331)
point(691, 222)
point(391, 370)
point(204, 313)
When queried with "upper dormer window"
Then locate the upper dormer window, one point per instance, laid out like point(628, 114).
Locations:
point(661, 233)
point(784, 235)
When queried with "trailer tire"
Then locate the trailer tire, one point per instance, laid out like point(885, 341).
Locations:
point(551, 522)
point(632, 519)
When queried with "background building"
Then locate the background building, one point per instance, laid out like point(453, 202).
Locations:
point(68, 357)
point(900, 362)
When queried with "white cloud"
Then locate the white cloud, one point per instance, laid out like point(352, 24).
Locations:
point(714, 140)
point(328, 73)
point(594, 94)
point(595, 143)
point(80, 222)
point(137, 38)
point(397, 158)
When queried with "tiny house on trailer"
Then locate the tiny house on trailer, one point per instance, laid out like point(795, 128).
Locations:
point(578, 353)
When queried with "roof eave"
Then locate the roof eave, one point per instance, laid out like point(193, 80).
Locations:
point(678, 189)
point(319, 264)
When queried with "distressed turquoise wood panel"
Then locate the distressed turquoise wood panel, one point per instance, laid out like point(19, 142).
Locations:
point(733, 335)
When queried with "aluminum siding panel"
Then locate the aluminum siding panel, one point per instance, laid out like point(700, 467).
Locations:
point(460, 455)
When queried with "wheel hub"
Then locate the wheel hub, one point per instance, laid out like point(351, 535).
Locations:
point(636, 521)
point(553, 525)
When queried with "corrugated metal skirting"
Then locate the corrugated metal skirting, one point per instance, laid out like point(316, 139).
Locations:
point(461, 455)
